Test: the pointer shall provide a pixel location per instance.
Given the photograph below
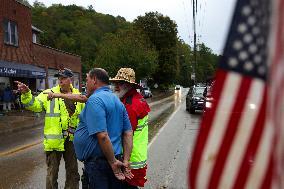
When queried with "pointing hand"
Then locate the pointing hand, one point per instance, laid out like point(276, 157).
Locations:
point(22, 88)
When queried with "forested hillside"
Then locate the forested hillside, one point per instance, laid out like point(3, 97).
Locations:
point(150, 44)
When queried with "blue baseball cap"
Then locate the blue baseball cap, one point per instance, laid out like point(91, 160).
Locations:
point(65, 72)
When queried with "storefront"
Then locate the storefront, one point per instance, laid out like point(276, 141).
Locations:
point(31, 75)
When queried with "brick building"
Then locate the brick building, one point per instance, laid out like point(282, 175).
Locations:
point(22, 57)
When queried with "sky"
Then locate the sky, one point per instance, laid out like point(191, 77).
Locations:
point(212, 20)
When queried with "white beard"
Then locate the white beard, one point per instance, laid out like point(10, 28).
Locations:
point(122, 92)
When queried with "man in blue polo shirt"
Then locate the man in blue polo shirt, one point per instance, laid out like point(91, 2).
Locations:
point(103, 131)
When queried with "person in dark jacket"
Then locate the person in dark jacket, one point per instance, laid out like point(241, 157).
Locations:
point(7, 98)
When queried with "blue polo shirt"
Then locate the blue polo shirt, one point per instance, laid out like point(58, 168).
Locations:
point(103, 112)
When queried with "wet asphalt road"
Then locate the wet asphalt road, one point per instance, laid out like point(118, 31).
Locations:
point(25, 167)
point(169, 151)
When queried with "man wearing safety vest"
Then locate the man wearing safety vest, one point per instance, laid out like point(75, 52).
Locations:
point(61, 120)
point(137, 109)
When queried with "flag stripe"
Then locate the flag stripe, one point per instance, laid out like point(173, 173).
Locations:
point(277, 94)
point(267, 182)
point(217, 129)
point(278, 119)
point(278, 49)
point(277, 113)
point(250, 154)
point(259, 169)
point(204, 130)
point(243, 135)
point(276, 70)
point(231, 128)
point(241, 147)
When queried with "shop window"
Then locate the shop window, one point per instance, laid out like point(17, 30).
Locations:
point(11, 33)
point(34, 38)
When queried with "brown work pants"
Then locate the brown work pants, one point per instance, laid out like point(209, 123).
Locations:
point(71, 166)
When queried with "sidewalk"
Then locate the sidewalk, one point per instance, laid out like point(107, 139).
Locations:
point(17, 120)
point(158, 95)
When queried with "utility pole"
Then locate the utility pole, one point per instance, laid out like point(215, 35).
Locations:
point(194, 3)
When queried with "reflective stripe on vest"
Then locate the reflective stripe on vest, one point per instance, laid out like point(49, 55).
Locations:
point(53, 136)
point(56, 121)
point(137, 165)
point(138, 156)
point(52, 114)
point(41, 104)
point(143, 124)
point(30, 103)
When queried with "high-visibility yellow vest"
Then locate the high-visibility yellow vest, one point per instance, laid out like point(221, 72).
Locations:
point(58, 124)
point(138, 158)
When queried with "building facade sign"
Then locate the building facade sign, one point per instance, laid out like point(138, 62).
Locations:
point(9, 71)
point(13, 72)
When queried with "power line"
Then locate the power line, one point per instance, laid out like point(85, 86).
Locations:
point(194, 38)
point(186, 16)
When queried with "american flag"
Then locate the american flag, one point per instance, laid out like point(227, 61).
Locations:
point(241, 139)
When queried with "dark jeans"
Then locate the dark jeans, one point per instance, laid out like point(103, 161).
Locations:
point(100, 175)
point(71, 166)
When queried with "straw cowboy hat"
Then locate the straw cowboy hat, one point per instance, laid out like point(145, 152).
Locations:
point(125, 74)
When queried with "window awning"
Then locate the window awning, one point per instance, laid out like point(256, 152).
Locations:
point(12, 69)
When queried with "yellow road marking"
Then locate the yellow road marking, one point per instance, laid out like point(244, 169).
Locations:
point(19, 149)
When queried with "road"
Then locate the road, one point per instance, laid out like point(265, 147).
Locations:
point(22, 159)
point(169, 151)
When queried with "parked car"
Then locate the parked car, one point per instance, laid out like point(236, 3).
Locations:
point(195, 99)
point(146, 92)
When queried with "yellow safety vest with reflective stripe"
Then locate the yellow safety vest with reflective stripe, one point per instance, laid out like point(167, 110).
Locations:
point(138, 158)
point(58, 124)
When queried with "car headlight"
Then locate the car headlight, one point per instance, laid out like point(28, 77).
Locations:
point(208, 104)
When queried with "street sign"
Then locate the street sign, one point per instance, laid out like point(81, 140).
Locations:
point(193, 76)
point(156, 85)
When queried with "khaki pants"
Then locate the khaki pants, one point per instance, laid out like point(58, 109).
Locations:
point(71, 166)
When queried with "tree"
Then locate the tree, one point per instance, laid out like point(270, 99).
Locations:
point(162, 32)
point(91, 8)
point(38, 4)
point(127, 48)
point(75, 29)
point(184, 64)
point(206, 63)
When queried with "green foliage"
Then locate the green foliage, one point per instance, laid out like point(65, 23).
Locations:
point(206, 63)
point(149, 45)
point(127, 48)
point(184, 68)
point(74, 29)
point(162, 32)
